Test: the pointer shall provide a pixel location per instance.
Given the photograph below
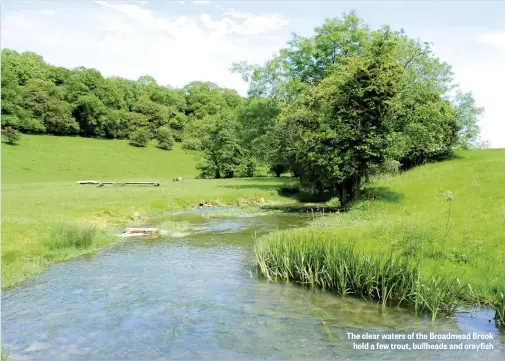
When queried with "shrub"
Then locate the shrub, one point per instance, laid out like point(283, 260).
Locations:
point(165, 139)
point(289, 189)
point(333, 203)
point(192, 143)
point(11, 135)
point(139, 137)
point(178, 136)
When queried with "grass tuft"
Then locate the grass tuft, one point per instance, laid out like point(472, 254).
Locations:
point(72, 236)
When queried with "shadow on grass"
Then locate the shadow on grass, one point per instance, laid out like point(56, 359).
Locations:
point(265, 187)
point(267, 183)
point(301, 208)
point(410, 164)
point(10, 144)
point(383, 194)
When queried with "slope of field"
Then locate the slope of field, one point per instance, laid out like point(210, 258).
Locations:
point(39, 191)
point(450, 215)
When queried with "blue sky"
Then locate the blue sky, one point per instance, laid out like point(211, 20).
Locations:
point(181, 41)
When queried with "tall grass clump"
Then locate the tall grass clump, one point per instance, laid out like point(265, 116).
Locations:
point(318, 259)
point(73, 236)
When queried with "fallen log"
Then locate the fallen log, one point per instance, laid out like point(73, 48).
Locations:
point(88, 182)
point(101, 184)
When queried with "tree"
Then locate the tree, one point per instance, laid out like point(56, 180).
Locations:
point(354, 102)
point(307, 60)
point(128, 88)
point(59, 75)
point(206, 98)
point(344, 127)
point(174, 99)
point(221, 152)
point(11, 135)
point(45, 104)
point(165, 139)
point(15, 73)
point(84, 82)
point(467, 119)
point(89, 111)
point(25, 66)
point(157, 114)
point(139, 137)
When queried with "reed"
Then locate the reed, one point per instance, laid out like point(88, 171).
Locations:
point(318, 259)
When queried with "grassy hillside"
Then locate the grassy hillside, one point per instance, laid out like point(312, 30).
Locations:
point(461, 233)
point(39, 191)
point(43, 159)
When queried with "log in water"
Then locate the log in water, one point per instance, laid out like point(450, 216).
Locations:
point(152, 231)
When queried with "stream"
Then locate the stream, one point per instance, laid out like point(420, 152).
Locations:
point(191, 295)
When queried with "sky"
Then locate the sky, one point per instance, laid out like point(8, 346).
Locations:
point(177, 42)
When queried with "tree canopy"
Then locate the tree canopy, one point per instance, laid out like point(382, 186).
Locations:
point(40, 98)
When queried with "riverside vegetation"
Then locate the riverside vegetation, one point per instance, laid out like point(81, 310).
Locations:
point(405, 242)
point(340, 111)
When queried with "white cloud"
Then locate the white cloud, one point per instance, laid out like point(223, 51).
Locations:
point(495, 39)
point(129, 40)
point(15, 21)
point(48, 12)
point(201, 2)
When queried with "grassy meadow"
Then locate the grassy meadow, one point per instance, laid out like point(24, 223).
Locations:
point(41, 200)
point(447, 219)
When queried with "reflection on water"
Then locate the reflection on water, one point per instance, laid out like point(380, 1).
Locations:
point(193, 297)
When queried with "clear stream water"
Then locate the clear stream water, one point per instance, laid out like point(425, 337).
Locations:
point(191, 295)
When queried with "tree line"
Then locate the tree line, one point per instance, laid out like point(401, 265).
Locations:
point(41, 98)
point(333, 108)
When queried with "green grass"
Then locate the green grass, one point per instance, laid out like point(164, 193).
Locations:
point(73, 236)
point(413, 216)
point(39, 192)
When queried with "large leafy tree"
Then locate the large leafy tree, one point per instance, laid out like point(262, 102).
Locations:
point(345, 132)
point(17, 70)
point(45, 104)
point(256, 120)
point(354, 101)
point(222, 153)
